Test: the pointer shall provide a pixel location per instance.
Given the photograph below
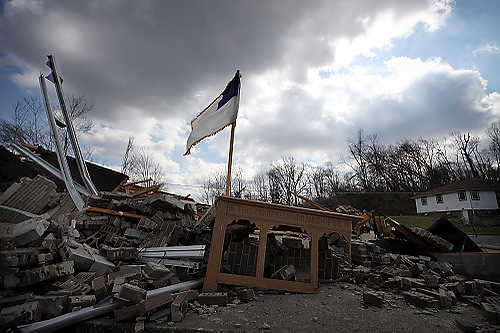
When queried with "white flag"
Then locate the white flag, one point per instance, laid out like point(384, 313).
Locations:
point(219, 114)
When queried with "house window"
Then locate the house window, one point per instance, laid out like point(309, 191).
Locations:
point(462, 196)
point(423, 201)
point(475, 196)
point(439, 198)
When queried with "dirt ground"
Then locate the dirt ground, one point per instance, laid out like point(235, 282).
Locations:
point(334, 308)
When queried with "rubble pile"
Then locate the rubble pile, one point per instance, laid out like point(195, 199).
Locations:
point(422, 282)
point(56, 259)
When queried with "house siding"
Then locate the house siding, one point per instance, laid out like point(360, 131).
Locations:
point(488, 200)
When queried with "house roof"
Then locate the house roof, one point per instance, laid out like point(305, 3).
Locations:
point(471, 184)
point(12, 168)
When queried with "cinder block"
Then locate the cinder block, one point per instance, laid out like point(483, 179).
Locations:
point(178, 307)
point(213, 298)
point(373, 298)
point(99, 287)
point(81, 301)
point(132, 293)
point(157, 271)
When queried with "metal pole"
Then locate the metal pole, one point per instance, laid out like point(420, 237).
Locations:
point(72, 318)
point(82, 167)
point(61, 157)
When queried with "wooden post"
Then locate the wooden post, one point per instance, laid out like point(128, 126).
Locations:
point(230, 161)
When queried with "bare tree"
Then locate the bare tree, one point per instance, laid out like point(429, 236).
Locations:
point(213, 186)
point(286, 176)
point(127, 156)
point(260, 187)
point(27, 123)
point(466, 145)
point(139, 164)
point(238, 184)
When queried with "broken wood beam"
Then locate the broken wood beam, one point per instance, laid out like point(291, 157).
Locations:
point(114, 212)
point(146, 190)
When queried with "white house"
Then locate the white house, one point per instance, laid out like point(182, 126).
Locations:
point(464, 197)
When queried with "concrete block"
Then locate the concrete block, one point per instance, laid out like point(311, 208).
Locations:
point(99, 287)
point(445, 297)
point(164, 202)
point(157, 271)
point(431, 280)
point(119, 253)
point(285, 273)
point(30, 231)
point(132, 293)
point(420, 300)
point(81, 301)
point(373, 298)
point(128, 271)
point(471, 288)
point(71, 250)
point(246, 295)
point(146, 224)
point(39, 274)
point(213, 298)
point(178, 307)
point(135, 233)
point(456, 287)
point(85, 257)
point(22, 314)
point(52, 306)
point(19, 257)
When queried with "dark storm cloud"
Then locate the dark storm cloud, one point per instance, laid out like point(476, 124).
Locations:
point(156, 55)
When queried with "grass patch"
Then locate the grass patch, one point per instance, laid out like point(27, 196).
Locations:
point(425, 221)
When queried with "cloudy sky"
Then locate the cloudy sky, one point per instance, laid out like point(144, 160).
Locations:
point(314, 72)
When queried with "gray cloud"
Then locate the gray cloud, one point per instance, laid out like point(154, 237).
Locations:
point(156, 55)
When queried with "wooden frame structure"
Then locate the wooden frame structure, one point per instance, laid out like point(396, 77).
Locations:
point(266, 216)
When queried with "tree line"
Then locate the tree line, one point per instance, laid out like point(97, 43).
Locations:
point(411, 165)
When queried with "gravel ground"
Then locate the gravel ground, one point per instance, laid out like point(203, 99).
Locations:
point(335, 308)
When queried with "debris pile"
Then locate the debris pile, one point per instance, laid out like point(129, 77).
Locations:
point(56, 259)
point(422, 282)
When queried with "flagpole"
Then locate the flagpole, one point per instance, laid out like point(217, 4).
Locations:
point(230, 161)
